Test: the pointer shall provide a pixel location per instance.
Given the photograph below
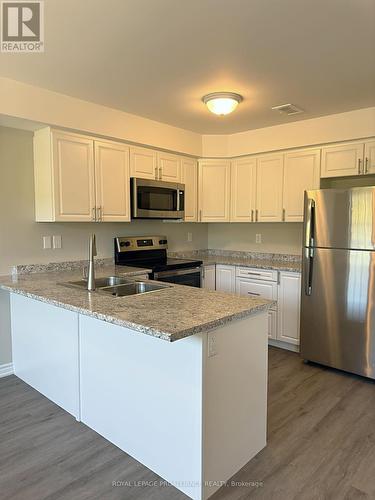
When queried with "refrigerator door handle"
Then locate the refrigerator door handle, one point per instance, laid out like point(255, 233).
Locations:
point(308, 269)
point(310, 212)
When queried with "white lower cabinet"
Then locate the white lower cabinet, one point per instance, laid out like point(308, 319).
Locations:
point(225, 278)
point(284, 288)
point(209, 277)
point(272, 324)
point(289, 307)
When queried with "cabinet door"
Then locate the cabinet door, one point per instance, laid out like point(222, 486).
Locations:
point(289, 307)
point(269, 197)
point(74, 186)
point(345, 159)
point(243, 190)
point(369, 157)
point(214, 191)
point(190, 179)
point(209, 277)
point(301, 172)
point(112, 181)
point(256, 289)
point(225, 278)
point(143, 163)
point(169, 167)
point(272, 325)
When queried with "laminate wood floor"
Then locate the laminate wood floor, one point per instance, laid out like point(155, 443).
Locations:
point(321, 445)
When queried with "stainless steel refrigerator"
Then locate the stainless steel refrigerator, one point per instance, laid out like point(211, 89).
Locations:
point(338, 291)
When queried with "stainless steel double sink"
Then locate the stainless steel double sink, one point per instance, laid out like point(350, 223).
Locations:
point(118, 286)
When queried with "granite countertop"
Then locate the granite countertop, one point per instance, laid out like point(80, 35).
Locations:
point(170, 314)
point(274, 262)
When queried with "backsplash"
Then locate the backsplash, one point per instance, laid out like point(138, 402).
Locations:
point(236, 254)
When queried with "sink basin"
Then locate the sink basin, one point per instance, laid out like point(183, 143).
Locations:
point(99, 282)
point(133, 288)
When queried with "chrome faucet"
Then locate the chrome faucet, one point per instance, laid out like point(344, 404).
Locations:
point(91, 264)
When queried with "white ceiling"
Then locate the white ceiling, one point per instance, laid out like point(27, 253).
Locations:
point(157, 58)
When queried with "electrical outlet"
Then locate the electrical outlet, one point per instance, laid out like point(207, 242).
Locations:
point(47, 242)
point(56, 241)
point(190, 236)
point(258, 238)
point(212, 347)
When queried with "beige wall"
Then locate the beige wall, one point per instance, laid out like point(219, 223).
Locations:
point(276, 237)
point(332, 128)
point(21, 237)
point(28, 102)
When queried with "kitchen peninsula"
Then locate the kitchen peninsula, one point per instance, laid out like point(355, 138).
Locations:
point(177, 377)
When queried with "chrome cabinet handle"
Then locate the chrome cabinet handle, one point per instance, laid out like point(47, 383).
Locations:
point(253, 293)
point(366, 165)
point(200, 215)
point(156, 173)
point(160, 173)
point(99, 214)
point(255, 274)
point(359, 166)
point(283, 216)
point(256, 215)
point(252, 215)
point(93, 218)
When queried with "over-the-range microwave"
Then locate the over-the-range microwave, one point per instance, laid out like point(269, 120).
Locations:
point(157, 199)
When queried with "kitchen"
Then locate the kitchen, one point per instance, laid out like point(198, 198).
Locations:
point(240, 179)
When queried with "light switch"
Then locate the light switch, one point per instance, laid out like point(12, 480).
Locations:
point(258, 238)
point(56, 241)
point(47, 242)
point(190, 236)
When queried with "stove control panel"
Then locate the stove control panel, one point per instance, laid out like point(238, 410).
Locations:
point(132, 243)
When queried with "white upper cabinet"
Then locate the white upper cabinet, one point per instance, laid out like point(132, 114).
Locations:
point(64, 176)
point(143, 163)
point(78, 179)
point(342, 160)
point(289, 307)
point(112, 180)
point(189, 177)
point(243, 190)
point(369, 162)
point(269, 193)
point(150, 164)
point(214, 191)
point(301, 172)
point(169, 167)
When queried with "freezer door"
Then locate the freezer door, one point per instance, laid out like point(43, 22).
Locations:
point(340, 218)
point(337, 309)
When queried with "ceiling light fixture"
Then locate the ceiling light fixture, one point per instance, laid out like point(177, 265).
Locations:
point(222, 103)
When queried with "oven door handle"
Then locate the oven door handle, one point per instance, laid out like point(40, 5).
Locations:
point(176, 272)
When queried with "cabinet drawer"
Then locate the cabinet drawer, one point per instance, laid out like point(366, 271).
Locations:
point(256, 274)
point(256, 289)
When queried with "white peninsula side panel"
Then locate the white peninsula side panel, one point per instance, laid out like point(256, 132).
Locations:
point(192, 411)
point(145, 395)
point(45, 350)
point(235, 398)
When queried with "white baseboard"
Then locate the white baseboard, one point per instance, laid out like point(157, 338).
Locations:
point(283, 345)
point(6, 370)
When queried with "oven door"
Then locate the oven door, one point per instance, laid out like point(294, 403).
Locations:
point(188, 277)
point(157, 199)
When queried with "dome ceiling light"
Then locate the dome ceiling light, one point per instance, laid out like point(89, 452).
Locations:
point(222, 103)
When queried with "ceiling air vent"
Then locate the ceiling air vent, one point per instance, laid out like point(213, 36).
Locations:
point(288, 109)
